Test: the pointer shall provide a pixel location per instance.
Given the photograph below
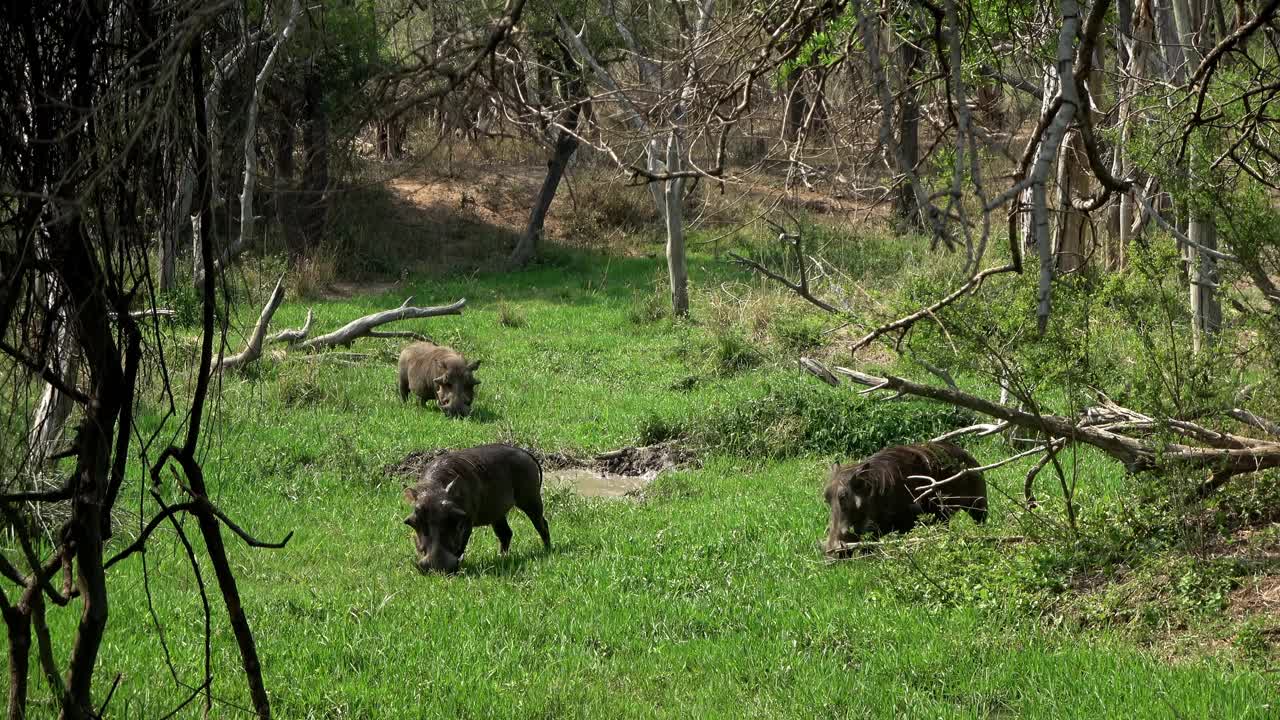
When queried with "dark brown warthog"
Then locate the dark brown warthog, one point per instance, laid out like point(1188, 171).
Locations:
point(888, 491)
point(436, 372)
point(464, 489)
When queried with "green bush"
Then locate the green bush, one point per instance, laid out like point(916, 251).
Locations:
point(797, 415)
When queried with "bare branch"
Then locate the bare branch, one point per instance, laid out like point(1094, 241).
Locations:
point(361, 327)
point(290, 337)
point(253, 349)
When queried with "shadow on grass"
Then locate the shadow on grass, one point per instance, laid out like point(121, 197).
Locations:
point(496, 564)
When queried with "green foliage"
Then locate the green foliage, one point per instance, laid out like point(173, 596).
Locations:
point(185, 303)
point(797, 332)
point(797, 415)
point(730, 351)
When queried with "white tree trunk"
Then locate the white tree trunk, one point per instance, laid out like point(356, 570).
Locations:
point(1206, 307)
point(1202, 269)
point(1049, 90)
point(676, 261)
point(51, 413)
point(1070, 247)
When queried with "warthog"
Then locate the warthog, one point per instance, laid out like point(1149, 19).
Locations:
point(465, 489)
point(889, 490)
point(436, 372)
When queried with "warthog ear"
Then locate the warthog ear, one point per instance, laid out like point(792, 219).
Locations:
point(411, 495)
point(474, 366)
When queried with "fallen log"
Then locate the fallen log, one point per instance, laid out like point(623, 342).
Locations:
point(253, 349)
point(1226, 456)
point(365, 326)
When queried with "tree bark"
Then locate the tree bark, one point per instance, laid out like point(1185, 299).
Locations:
point(1070, 247)
point(177, 232)
point(315, 171)
point(905, 205)
point(1202, 269)
point(796, 108)
point(18, 624)
point(54, 407)
point(676, 253)
point(566, 144)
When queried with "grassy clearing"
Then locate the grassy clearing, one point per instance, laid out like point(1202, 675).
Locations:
point(706, 599)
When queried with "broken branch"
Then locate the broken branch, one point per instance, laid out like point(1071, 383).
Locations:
point(363, 327)
point(253, 350)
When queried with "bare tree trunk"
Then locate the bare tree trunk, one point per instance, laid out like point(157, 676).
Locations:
point(315, 169)
point(19, 627)
point(905, 205)
point(676, 260)
point(1206, 308)
point(1202, 269)
point(796, 107)
point(54, 408)
point(176, 232)
point(1026, 225)
point(1070, 248)
point(566, 144)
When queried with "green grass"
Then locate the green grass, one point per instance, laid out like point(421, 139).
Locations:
point(706, 599)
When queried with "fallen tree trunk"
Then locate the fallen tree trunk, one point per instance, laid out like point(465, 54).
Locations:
point(253, 350)
point(365, 326)
point(289, 337)
point(346, 335)
point(1234, 455)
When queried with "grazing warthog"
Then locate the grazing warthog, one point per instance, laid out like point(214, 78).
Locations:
point(465, 489)
point(436, 372)
point(889, 490)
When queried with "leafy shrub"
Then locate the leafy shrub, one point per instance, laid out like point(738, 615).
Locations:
point(185, 303)
point(798, 415)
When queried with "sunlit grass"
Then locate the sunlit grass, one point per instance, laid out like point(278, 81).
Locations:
point(705, 599)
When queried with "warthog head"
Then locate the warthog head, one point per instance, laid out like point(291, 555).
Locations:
point(441, 528)
point(456, 389)
point(850, 498)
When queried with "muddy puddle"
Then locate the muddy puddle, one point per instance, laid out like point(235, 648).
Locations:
point(616, 474)
point(590, 482)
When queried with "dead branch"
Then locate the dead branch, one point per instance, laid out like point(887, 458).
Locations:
point(399, 334)
point(362, 327)
point(925, 490)
point(1136, 454)
point(1028, 484)
point(290, 337)
point(1256, 421)
point(981, 429)
point(253, 350)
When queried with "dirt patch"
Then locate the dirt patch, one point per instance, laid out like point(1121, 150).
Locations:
point(1258, 595)
point(618, 473)
point(635, 461)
